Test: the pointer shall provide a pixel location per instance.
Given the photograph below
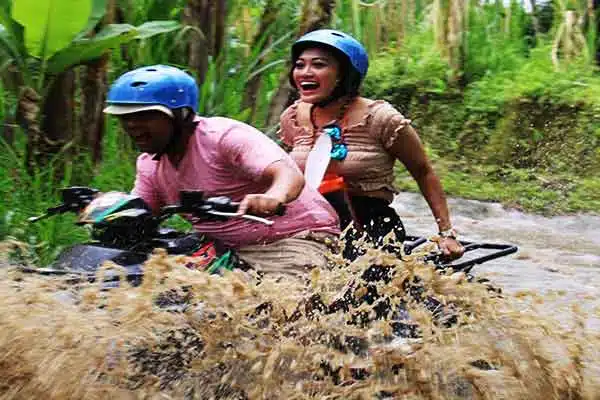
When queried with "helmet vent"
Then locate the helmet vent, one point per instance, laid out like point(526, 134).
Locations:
point(138, 83)
point(338, 34)
point(151, 69)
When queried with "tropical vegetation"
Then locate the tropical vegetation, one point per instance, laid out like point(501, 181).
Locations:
point(506, 95)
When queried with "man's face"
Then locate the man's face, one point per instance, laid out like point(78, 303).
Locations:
point(150, 130)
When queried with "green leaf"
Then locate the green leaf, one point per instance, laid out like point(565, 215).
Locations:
point(152, 28)
point(12, 34)
point(5, 5)
point(98, 11)
point(12, 50)
point(5, 60)
point(90, 48)
point(50, 25)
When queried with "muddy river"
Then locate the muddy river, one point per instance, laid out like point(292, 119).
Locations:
point(235, 338)
point(558, 257)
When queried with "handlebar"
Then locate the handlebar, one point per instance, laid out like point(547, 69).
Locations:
point(221, 207)
point(495, 251)
point(76, 198)
point(196, 201)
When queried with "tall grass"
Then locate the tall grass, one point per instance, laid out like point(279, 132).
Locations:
point(29, 194)
point(26, 195)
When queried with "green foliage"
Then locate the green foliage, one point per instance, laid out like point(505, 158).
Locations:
point(111, 36)
point(512, 129)
point(527, 116)
point(492, 49)
point(12, 48)
point(397, 75)
point(26, 195)
point(50, 25)
point(536, 78)
point(524, 188)
point(57, 38)
point(139, 11)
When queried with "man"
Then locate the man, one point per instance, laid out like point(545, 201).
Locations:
point(157, 108)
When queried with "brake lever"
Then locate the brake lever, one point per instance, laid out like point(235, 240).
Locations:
point(50, 212)
point(224, 202)
point(38, 218)
point(240, 215)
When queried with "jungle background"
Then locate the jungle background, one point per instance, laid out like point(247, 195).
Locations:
point(505, 94)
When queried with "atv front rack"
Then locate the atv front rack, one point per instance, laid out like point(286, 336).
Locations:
point(492, 251)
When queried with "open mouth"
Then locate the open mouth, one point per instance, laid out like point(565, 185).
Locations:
point(309, 86)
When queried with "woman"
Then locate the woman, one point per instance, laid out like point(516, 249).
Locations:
point(359, 140)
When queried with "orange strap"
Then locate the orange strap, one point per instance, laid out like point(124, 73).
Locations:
point(332, 183)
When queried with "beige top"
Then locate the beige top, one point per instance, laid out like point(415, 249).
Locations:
point(369, 165)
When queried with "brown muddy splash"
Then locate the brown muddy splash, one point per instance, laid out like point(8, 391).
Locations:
point(186, 334)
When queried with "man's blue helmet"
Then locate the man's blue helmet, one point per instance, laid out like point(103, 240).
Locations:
point(350, 53)
point(157, 87)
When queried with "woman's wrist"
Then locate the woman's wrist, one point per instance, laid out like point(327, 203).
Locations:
point(448, 233)
point(444, 225)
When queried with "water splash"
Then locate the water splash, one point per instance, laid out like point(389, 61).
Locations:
point(187, 334)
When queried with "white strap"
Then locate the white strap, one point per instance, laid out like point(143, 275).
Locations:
point(318, 161)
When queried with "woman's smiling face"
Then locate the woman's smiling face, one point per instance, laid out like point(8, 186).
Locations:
point(316, 74)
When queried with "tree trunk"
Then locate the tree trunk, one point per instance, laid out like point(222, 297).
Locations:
point(439, 19)
point(402, 20)
point(58, 121)
point(8, 128)
point(93, 94)
point(592, 32)
point(457, 10)
point(534, 18)
point(195, 14)
point(208, 17)
point(268, 18)
point(11, 82)
point(220, 17)
point(316, 14)
point(120, 17)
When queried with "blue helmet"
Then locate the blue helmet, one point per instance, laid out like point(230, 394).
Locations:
point(160, 87)
point(340, 41)
point(343, 44)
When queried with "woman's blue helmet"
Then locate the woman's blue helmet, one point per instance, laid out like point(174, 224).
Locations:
point(343, 45)
point(157, 87)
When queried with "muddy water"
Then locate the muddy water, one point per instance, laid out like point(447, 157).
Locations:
point(234, 337)
point(558, 257)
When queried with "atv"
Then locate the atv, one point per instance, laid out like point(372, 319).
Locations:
point(126, 232)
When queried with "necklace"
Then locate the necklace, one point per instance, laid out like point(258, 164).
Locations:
point(338, 118)
point(339, 149)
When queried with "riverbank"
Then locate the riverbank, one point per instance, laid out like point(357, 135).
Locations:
point(526, 135)
point(521, 189)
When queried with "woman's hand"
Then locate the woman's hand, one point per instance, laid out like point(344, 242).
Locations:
point(451, 248)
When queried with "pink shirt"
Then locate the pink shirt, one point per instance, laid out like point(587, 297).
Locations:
point(227, 158)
